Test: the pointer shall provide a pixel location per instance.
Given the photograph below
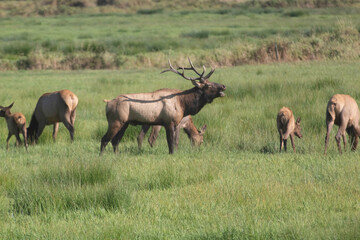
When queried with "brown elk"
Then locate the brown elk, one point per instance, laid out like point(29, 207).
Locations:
point(287, 126)
point(52, 108)
point(16, 123)
point(165, 107)
point(196, 136)
point(343, 111)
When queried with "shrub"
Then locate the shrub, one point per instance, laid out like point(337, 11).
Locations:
point(197, 34)
point(23, 64)
point(105, 2)
point(149, 11)
point(296, 13)
point(16, 48)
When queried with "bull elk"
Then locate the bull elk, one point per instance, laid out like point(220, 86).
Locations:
point(165, 107)
point(343, 111)
point(52, 108)
point(196, 136)
point(287, 126)
point(16, 124)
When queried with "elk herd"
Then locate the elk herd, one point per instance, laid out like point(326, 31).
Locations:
point(171, 109)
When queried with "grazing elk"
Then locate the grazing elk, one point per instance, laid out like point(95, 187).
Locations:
point(287, 126)
point(165, 107)
point(53, 108)
point(196, 136)
point(16, 123)
point(343, 111)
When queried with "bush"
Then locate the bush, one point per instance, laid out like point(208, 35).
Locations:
point(296, 13)
point(149, 11)
point(197, 34)
point(105, 2)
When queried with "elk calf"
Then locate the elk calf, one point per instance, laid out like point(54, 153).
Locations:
point(16, 124)
point(287, 126)
point(343, 111)
point(196, 136)
point(53, 108)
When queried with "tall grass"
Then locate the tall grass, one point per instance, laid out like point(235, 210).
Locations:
point(128, 41)
point(235, 186)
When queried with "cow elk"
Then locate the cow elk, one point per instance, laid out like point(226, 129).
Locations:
point(287, 126)
point(165, 107)
point(196, 136)
point(53, 108)
point(16, 123)
point(343, 111)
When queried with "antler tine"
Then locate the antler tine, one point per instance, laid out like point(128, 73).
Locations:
point(210, 73)
point(193, 68)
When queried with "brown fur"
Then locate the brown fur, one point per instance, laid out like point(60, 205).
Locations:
point(196, 136)
point(16, 124)
point(342, 110)
point(53, 108)
point(165, 107)
point(287, 126)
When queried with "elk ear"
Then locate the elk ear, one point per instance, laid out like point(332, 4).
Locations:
point(202, 130)
point(298, 120)
point(10, 106)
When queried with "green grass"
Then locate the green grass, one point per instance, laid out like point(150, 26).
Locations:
point(236, 186)
point(236, 36)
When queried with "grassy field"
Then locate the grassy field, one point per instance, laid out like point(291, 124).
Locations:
point(236, 186)
point(235, 36)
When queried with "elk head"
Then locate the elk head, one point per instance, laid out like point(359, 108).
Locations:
point(297, 130)
point(3, 110)
point(198, 139)
point(211, 90)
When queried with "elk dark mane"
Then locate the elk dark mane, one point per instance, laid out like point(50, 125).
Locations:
point(33, 126)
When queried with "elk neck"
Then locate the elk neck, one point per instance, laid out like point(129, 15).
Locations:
point(33, 126)
point(192, 101)
point(190, 130)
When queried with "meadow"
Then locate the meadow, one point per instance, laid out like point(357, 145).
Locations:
point(143, 39)
point(235, 186)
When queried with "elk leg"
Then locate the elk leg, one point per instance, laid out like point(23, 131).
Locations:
point(55, 131)
point(170, 137)
point(154, 134)
point(329, 125)
point(67, 122)
point(18, 140)
point(72, 117)
point(281, 139)
point(285, 145)
point(113, 129)
point(24, 133)
point(355, 142)
point(116, 140)
point(140, 138)
point(341, 134)
point(7, 141)
point(344, 140)
point(177, 135)
point(292, 142)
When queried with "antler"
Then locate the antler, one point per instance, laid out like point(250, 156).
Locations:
point(194, 69)
point(201, 77)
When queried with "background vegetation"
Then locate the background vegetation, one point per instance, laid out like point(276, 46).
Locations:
point(243, 33)
point(236, 186)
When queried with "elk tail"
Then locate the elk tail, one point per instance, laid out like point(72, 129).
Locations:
point(20, 120)
point(283, 118)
